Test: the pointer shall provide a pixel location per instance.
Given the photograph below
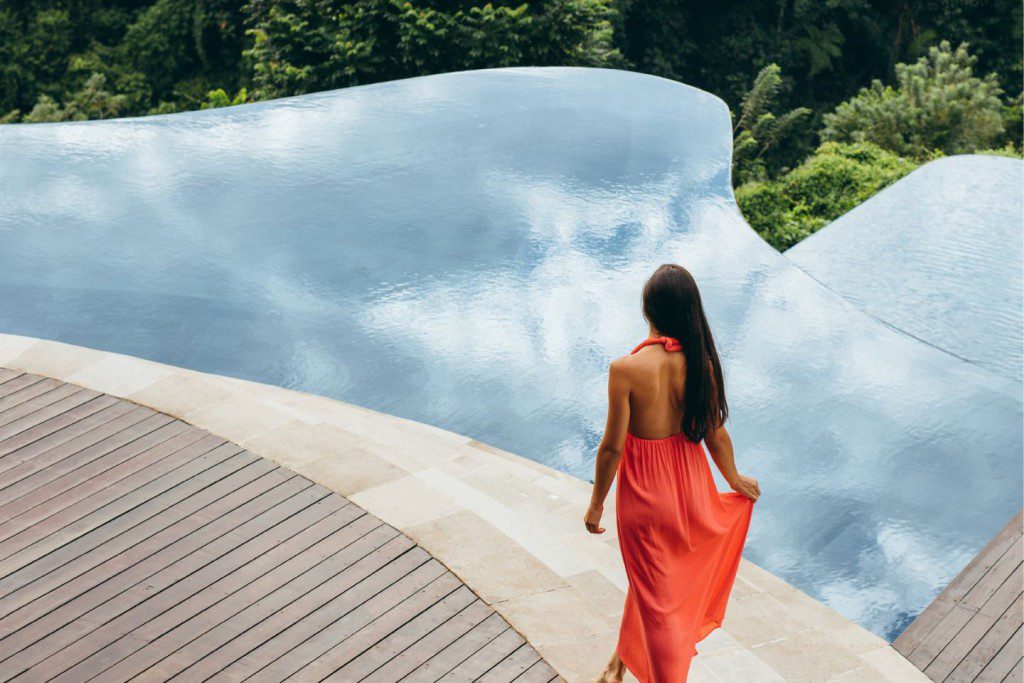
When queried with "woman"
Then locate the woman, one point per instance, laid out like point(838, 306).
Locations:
point(681, 539)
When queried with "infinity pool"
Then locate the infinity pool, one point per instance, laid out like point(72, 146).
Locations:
point(468, 250)
point(939, 255)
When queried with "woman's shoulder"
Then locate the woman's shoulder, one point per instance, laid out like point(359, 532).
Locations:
point(621, 363)
point(627, 367)
point(638, 370)
point(623, 366)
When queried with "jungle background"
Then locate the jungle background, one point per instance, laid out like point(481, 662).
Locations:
point(833, 99)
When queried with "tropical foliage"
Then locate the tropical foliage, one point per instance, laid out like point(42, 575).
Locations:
point(301, 46)
point(938, 106)
point(836, 178)
point(763, 140)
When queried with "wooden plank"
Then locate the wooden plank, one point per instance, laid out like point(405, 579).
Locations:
point(983, 561)
point(113, 501)
point(7, 374)
point(128, 556)
point(176, 544)
point(33, 458)
point(1005, 594)
point(283, 641)
point(940, 636)
point(80, 470)
point(512, 666)
point(995, 576)
point(40, 410)
point(996, 607)
point(939, 612)
point(142, 464)
point(486, 658)
point(433, 639)
point(541, 672)
point(195, 638)
point(392, 642)
point(990, 644)
point(459, 651)
point(959, 646)
point(402, 601)
point(1006, 660)
point(68, 424)
point(36, 398)
point(195, 594)
point(52, 652)
point(158, 520)
point(16, 385)
point(262, 634)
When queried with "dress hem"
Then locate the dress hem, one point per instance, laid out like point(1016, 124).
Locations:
point(706, 629)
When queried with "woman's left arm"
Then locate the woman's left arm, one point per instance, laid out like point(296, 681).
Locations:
point(609, 452)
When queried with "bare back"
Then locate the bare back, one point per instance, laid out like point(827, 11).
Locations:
point(657, 383)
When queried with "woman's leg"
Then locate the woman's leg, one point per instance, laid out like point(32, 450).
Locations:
point(614, 672)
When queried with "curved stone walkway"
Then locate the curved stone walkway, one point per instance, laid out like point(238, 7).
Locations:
point(136, 546)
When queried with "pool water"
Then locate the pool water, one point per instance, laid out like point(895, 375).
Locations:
point(467, 250)
point(939, 255)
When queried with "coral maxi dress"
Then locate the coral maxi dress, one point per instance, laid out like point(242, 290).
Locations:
point(681, 542)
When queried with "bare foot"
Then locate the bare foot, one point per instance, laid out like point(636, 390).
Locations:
point(614, 672)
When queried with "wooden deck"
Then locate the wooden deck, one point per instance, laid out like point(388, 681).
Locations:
point(135, 546)
point(972, 630)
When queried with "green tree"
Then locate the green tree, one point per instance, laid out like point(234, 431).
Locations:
point(300, 46)
point(157, 53)
point(826, 49)
point(937, 104)
point(1013, 119)
point(760, 136)
point(34, 48)
point(167, 55)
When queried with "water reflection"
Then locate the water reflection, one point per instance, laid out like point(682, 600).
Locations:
point(946, 268)
point(467, 250)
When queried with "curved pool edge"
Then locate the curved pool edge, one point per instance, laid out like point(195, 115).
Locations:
point(506, 526)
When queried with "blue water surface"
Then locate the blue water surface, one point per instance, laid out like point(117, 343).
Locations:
point(468, 250)
point(939, 255)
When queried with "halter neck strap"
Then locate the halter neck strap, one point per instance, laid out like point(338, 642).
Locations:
point(671, 344)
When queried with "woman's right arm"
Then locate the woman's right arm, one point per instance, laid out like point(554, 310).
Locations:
point(609, 452)
point(720, 446)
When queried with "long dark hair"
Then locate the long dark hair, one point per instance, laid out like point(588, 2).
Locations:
point(672, 305)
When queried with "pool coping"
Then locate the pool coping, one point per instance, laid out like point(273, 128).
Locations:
point(508, 527)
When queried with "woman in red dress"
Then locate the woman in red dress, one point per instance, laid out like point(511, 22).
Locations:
point(681, 539)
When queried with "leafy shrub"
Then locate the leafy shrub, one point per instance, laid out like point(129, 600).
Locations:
point(838, 177)
point(219, 98)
